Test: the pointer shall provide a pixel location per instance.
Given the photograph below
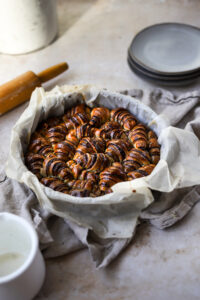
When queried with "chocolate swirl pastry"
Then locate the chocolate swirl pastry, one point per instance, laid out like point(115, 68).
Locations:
point(87, 150)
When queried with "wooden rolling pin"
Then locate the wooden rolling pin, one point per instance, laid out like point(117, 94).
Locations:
point(18, 90)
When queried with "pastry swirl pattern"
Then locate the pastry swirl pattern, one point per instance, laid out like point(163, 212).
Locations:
point(88, 150)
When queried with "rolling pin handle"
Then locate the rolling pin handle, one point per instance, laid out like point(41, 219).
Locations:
point(19, 90)
point(52, 72)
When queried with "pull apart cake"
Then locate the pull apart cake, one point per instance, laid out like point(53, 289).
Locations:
point(88, 150)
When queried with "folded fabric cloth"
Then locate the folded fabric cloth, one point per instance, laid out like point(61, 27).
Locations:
point(182, 111)
point(59, 236)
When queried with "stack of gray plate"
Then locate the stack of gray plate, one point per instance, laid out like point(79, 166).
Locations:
point(167, 53)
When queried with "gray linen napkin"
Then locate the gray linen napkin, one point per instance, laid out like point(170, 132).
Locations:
point(58, 236)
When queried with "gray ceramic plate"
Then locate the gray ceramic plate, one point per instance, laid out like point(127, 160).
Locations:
point(162, 77)
point(168, 48)
point(160, 80)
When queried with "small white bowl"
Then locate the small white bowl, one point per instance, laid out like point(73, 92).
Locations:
point(22, 268)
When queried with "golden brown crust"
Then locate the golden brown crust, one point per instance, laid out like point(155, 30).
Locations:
point(135, 159)
point(88, 185)
point(154, 147)
point(99, 115)
point(89, 175)
point(86, 151)
point(80, 108)
point(117, 149)
point(138, 136)
point(56, 134)
point(124, 117)
point(110, 130)
point(53, 166)
point(110, 176)
point(35, 162)
point(90, 145)
point(141, 172)
point(39, 145)
point(95, 162)
point(55, 184)
point(85, 130)
point(64, 150)
point(75, 168)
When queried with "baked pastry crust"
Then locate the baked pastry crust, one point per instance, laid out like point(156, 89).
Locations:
point(88, 150)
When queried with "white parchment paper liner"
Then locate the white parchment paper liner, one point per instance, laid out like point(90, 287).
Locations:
point(114, 215)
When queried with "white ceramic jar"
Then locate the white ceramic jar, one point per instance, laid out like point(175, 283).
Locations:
point(26, 25)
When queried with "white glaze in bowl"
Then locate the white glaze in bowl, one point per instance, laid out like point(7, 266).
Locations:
point(22, 268)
